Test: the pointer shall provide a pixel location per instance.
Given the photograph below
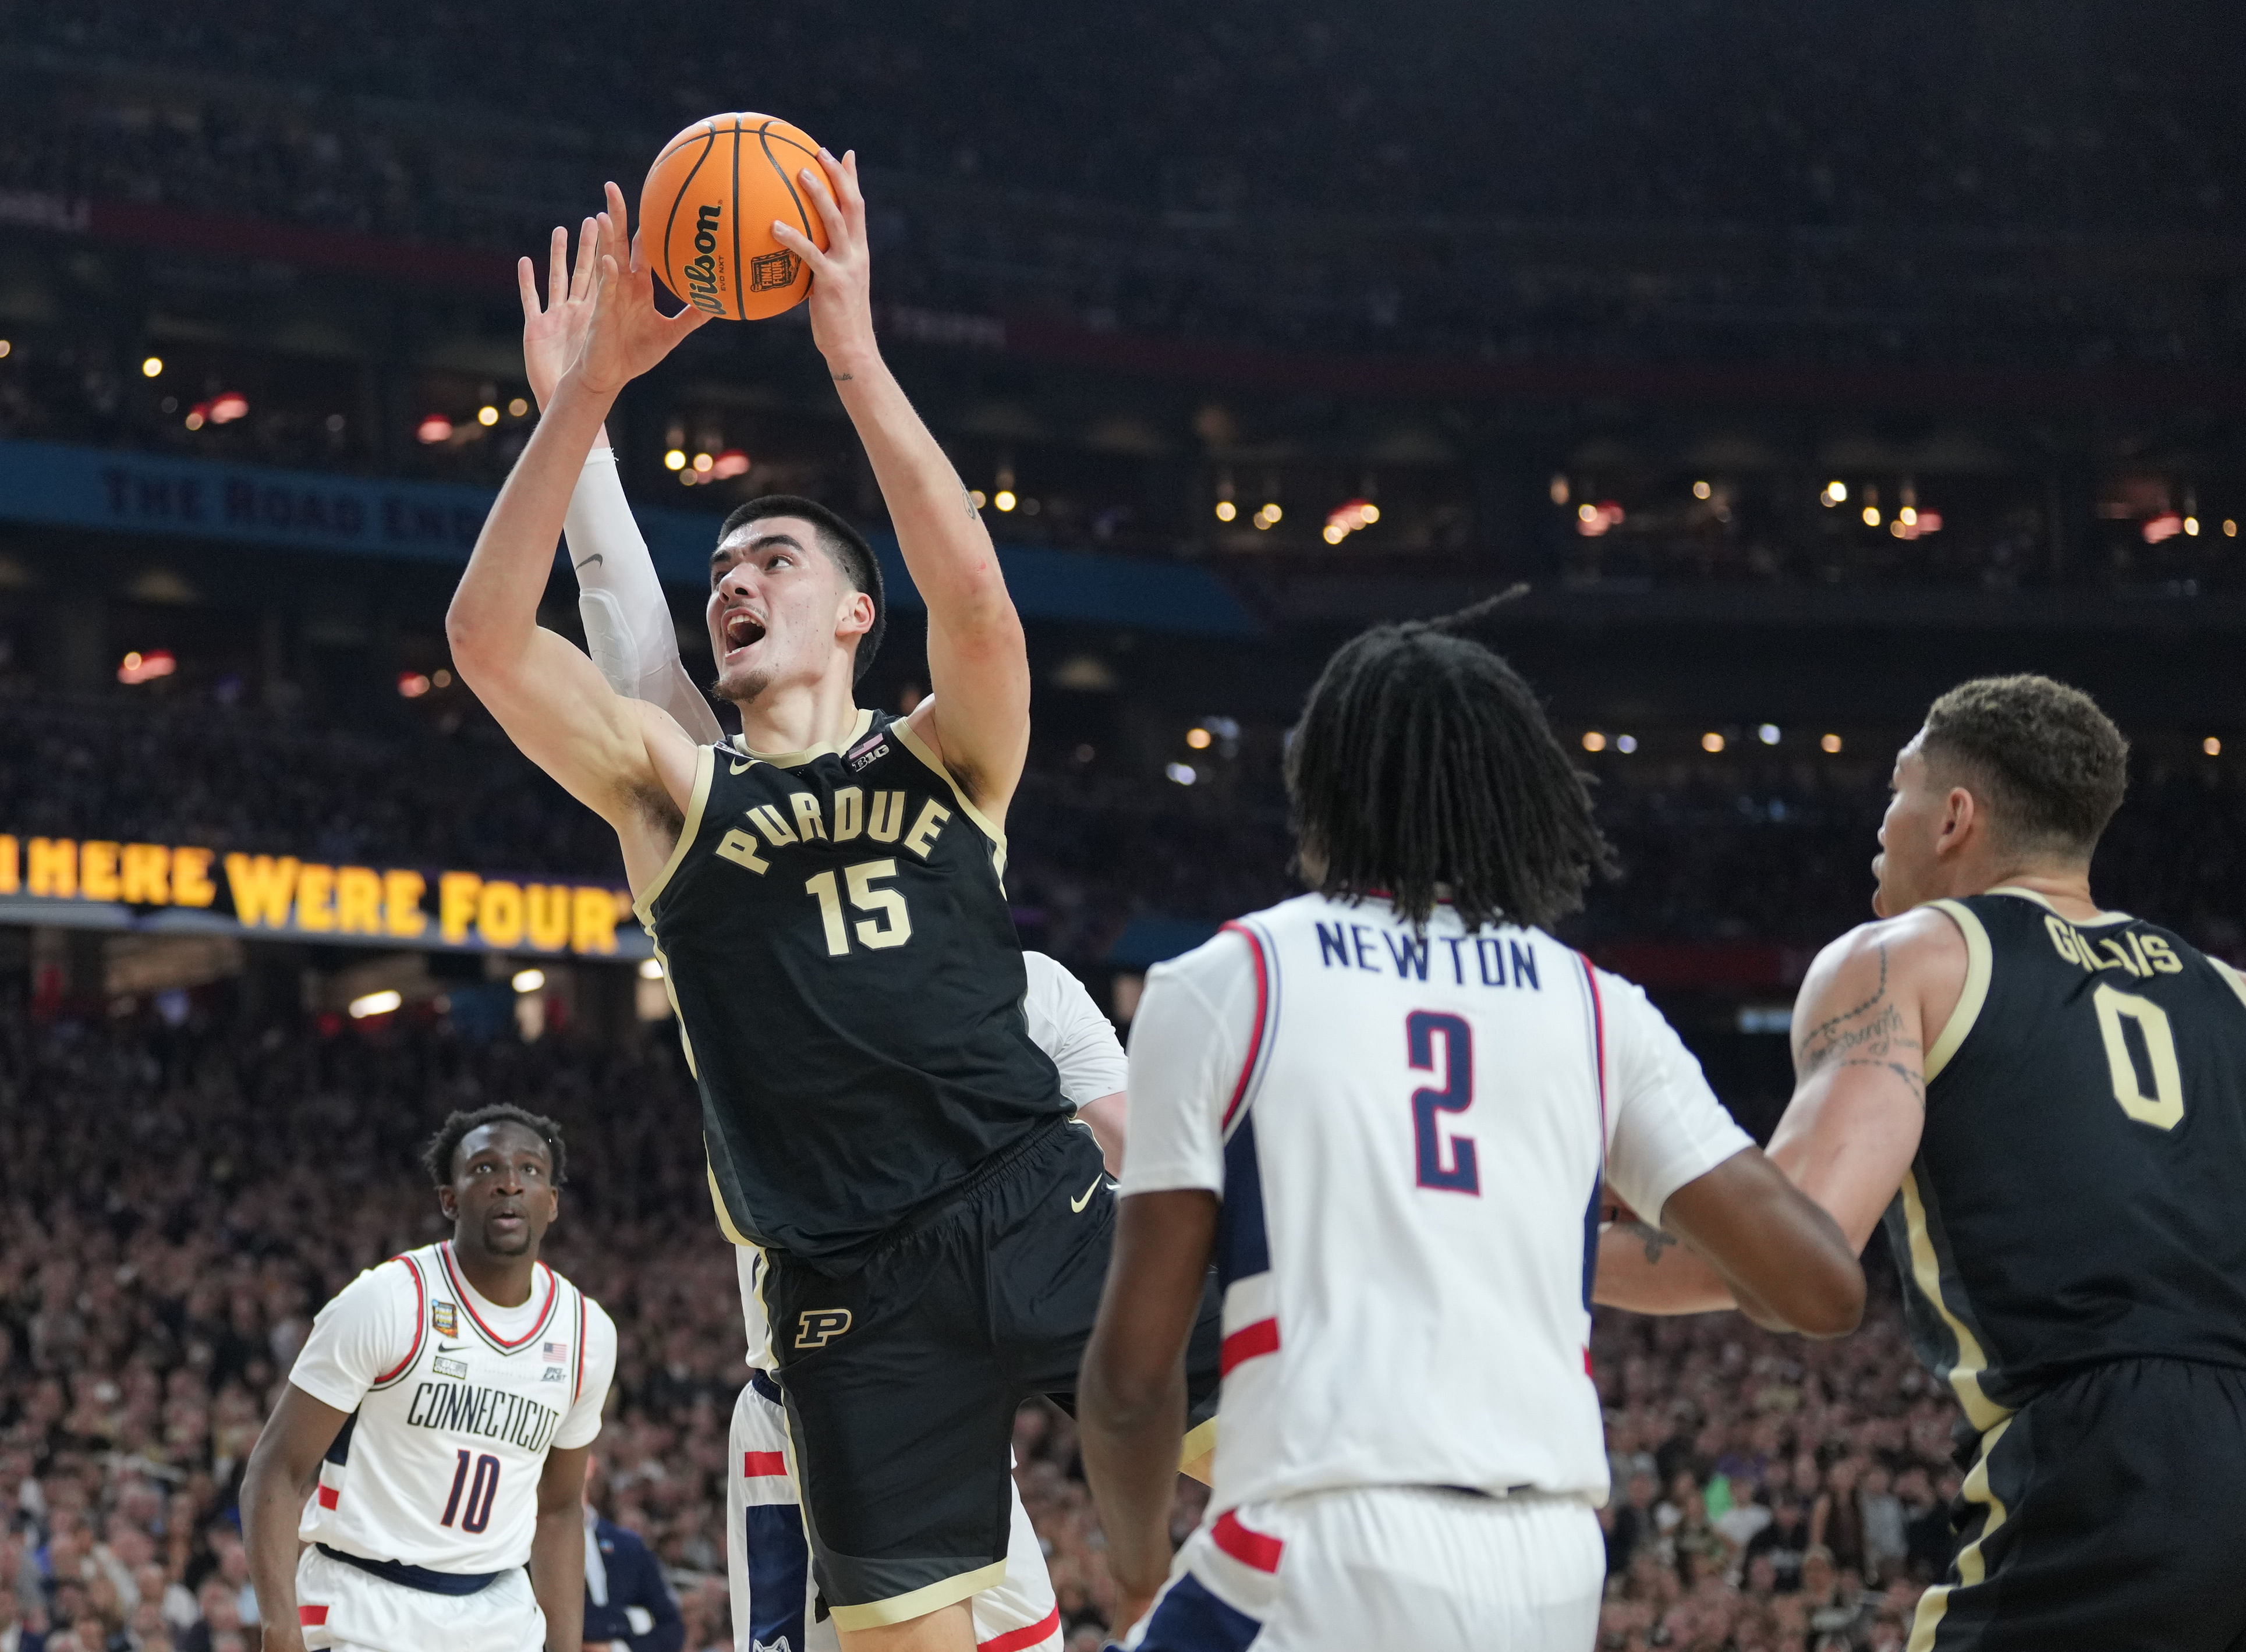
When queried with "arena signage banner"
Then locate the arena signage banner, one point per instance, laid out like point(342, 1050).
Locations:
point(263, 505)
point(95, 883)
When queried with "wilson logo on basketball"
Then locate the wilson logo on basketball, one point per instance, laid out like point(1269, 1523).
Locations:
point(701, 272)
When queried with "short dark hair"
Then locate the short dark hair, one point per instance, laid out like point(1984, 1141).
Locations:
point(840, 540)
point(1423, 769)
point(2051, 766)
point(437, 1154)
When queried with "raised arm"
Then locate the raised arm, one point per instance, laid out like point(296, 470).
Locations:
point(622, 758)
point(978, 717)
point(628, 629)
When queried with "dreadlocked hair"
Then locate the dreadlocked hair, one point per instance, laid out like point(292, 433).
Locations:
point(1424, 770)
point(437, 1153)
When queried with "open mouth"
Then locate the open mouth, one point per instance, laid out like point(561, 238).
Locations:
point(742, 630)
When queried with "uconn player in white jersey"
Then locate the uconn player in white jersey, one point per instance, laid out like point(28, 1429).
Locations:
point(431, 1442)
point(630, 636)
point(1386, 1109)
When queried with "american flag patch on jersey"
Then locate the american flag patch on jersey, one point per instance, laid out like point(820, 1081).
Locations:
point(873, 747)
point(557, 1353)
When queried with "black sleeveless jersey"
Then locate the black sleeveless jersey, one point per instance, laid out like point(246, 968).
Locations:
point(837, 942)
point(2079, 1192)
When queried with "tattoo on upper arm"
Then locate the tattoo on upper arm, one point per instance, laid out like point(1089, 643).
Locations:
point(841, 379)
point(968, 499)
point(1654, 1239)
point(1870, 1033)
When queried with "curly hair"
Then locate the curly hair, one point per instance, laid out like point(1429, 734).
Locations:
point(437, 1154)
point(1422, 770)
point(2048, 764)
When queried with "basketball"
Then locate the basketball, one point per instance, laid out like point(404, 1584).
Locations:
point(706, 211)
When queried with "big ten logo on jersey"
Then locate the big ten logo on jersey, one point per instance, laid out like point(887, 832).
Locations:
point(1493, 961)
point(856, 816)
point(2142, 956)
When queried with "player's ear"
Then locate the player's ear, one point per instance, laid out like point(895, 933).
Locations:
point(854, 618)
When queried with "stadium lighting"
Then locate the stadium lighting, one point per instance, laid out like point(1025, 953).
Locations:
point(1005, 498)
point(488, 416)
point(650, 969)
point(2191, 525)
point(137, 667)
point(1198, 738)
point(441, 678)
point(434, 429)
point(731, 462)
point(1830, 745)
point(528, 981)
point(1226, 510)
point(1836, 492)
point(1711, 742)
point(2229, 524)
point(411, 684)
point(1871, 516)
point(1180, 773)
point(674, 459)
point(6, 349)
point(375, 1003)
point(1701, 490)
point(151, 367)
point(703, 462)
point(517, 408)
point(1768, 734)
point(1594, 741)
point(1626, 743)
point(224, 410)
point(195, 418)
point(1908, 516)
point(1269, 514)
point(2212, 746)
point(1560, 490)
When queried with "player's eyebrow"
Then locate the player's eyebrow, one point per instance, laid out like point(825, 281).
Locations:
point(727, 555)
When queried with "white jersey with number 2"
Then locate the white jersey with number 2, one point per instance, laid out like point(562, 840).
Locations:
point(1408, 1134)
point(455, 1401)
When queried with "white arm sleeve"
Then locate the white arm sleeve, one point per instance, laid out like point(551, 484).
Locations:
point(1194, 1023)
point(627, 628)
point(582, 1424)
point(1067, 1026)
point(1665, 1126)
point(360, 1336)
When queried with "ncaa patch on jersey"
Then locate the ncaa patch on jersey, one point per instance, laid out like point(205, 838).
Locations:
point(445, 1367)
point(444, 1319)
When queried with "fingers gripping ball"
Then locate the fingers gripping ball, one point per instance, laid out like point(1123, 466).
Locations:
point(707, 213)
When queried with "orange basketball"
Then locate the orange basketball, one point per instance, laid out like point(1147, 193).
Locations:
point(706, 212)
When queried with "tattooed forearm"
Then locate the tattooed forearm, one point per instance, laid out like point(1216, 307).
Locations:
point(1655, 1241)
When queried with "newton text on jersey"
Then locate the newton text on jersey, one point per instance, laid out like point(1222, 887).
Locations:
point(1488, 958)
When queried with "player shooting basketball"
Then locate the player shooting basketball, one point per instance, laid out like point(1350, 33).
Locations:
point(826, 895)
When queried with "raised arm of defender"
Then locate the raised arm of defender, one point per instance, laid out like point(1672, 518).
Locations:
point(979, 718)
point(625, 759)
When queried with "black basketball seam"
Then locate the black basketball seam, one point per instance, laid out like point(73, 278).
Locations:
point(669, 274)
point(765, 142)
point(740, 302)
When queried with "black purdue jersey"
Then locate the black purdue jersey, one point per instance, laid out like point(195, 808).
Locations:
point(2079, 1192)
point(849, 983)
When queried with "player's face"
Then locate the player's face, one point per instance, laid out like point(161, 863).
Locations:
point(781, 610)
point(502, 1199)
point(1905, 864)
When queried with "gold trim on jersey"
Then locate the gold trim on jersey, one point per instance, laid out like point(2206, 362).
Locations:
point(903, 1608)
point(926, 753)
point(718, 1199)
point(2044, 901)
point(1975, 990)
point(1926, 1271)
point(705, 766)
point(1199, 1441)
point(1972, 1568)
point(859, 724)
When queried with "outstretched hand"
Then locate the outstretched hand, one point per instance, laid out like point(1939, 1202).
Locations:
point(842, 282)
point(554, 333)
point(628, 335)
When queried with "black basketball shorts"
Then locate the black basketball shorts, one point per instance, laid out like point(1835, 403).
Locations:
point(902, 1379)
point(2106, 1515)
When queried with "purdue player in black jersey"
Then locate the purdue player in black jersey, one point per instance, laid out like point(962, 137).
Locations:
point(826, 893)
point(2047, 1103)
